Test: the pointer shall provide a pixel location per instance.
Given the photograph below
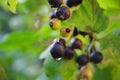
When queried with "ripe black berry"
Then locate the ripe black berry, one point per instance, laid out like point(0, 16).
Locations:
point(77, 2)
point(53, 15)
point(57, 50)
point(63, 13)
point(71, 3)
point(96, 57)
point(62, 41)
point(68, 53)
point(55, 3)
point(82, 60)
point(76, 43)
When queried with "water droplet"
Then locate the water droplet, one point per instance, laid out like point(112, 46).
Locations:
point(58, 59)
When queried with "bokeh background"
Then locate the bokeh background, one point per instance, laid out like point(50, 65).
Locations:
point(26, 34)
point(23, 38)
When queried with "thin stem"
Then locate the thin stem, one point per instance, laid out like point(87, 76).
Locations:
point(90, 47)
point(92, 42)
point(71, 34)
point(59, 35)
point(83, 33)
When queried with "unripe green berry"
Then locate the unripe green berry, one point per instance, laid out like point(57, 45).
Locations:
point(55, 24)
point(65, 32)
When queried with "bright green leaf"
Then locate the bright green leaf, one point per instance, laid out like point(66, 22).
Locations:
point(110, 69)
point(52, 67)
point(114, 23)
point(67, 69)
point(116, 72)
point(26, 41)
point(111, 41)
point(110, 12)
point(12, 5)
point(103, 74)
point(107, 4)
point(90, 17)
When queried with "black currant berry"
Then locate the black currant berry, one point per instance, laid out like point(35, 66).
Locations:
point(76, 43)
point(53, 15)
point(55, 24)
point(96, 57)
point(69, 53)
point(82, 59)
point(55, 3)
point(62, 41)
point(57, 50)
point(71, 3)
point(65, 32)
point(63, 13)
point(77, 2)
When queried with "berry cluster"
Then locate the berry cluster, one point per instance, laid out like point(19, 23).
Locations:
point(64, 46)
point(69, 3)
point(61, 12)
point(59, 49)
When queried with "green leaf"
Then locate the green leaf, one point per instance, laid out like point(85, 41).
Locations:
point(26, 41)
point(44, 77)
point(56, 77)
point(111, 41)
point(114, 23)
point(2, 73)
point(110, 66)
point(68, 69)
point(103, 74)
point(3, 4)
point(110, 12)
point(12, 5)
point(107, 4)
point(90, 17)
point(116, 72)
point(52, 67)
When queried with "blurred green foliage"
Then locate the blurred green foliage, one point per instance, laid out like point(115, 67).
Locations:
point(26, 35)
